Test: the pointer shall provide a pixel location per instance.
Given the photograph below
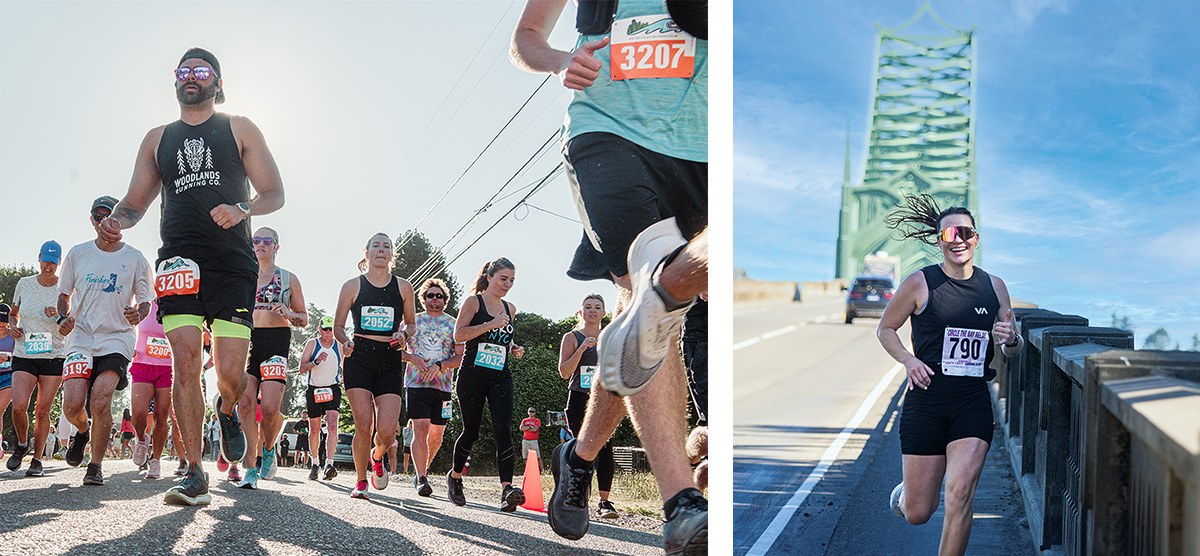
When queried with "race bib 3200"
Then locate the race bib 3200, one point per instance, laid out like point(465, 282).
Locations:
point(177, 276)
point(963, 351)
point(651, 46)
point(274, 368)
point(158, 348)
point(491, 356)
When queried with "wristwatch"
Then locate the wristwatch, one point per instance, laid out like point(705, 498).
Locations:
point(1016, 340)
point(245, 208)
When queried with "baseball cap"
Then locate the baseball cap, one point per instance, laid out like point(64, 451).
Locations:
point(532, 410)
point(106, 201)
point(4, 310)
point(197, 52)
point(51, 252)
point(326, 322)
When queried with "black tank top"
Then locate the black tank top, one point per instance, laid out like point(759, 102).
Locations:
point(955, 328)
point(201, 168)
point(377, 311)
point(588, 359)
point(495, 338)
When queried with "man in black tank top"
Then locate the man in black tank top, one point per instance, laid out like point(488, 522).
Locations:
point(205, 164)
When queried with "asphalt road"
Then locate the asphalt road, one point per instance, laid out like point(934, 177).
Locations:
point(801, 376)
point(289, 515)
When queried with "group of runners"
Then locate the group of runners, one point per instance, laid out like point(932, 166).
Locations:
point(635, 147)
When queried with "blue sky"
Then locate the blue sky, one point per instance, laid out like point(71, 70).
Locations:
point(1087, 141)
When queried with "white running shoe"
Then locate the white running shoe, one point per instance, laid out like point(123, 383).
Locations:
point(633, 347)
point(153, 469)
point(141, 450)
point(895, 501)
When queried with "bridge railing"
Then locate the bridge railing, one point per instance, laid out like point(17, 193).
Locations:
point(1105, 439)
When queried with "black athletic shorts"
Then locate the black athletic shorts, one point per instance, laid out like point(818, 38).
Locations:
point(429, 403)
point(318, 409)
point(266, 343)
point(951, 409)
point(621, 189)
point(38, 367)
point(695, 361)
point(224, 295)
point(374, 366)
point(302, 442)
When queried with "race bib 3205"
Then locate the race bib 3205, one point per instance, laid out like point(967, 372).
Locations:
point(177, 276)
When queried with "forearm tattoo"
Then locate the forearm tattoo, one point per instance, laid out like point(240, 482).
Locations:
point(126, 214)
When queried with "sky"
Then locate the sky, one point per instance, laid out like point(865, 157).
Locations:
point(372, 110)
point(1088, 143)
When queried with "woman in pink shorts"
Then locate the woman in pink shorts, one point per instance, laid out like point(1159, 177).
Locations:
point(151, 373)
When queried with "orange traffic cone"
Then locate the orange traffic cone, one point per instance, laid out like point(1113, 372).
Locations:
point(532, 484)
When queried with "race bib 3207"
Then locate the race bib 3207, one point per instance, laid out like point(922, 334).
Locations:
point(651, 46)
point(964, 351)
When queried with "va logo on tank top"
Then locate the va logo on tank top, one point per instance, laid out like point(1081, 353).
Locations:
point(195, 166)
point(981, 311)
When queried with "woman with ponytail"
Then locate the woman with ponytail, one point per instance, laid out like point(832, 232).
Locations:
point(959, 314)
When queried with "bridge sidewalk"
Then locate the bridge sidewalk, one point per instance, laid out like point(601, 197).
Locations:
point(867, 526)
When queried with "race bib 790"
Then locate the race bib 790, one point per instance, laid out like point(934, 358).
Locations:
point(177, 276)
point(964, 351)
point(651, 46)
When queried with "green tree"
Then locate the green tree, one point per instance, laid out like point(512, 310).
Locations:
point(416, 258)
point(9, 275)
point(1123, 322)
point(1159, 339)
point(1195, 342)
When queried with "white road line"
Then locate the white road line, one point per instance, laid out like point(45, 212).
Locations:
point(819, 319)
point(779, 332)
point(775, 528)
point(836, 316)
point(746, 343)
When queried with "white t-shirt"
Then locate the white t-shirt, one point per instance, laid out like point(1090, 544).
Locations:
point(32, 299)
point(101, 286)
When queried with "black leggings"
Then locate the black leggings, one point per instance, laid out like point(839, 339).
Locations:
point(497, 389)
point(606, 465)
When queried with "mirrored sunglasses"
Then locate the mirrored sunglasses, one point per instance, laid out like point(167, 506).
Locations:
point(200, 72)
point(268, 241)
point(956, 232)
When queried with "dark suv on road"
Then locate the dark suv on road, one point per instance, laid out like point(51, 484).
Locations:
point(868, 297)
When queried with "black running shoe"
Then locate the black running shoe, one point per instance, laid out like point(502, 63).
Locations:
point(312, 473)
point(233, 442)
point(93, 476)
point(511, 498)
point(192, 490)
point(454, 489)
point(183, 466)
point(74, 455)
point(35, 468)
point(685, 532)
point(606, 510)
point(568, 508)
point(423, 488)
point(18, 454)
point(330, 471)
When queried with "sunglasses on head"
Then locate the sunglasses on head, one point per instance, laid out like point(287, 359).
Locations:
point(200, 72)
point(268, 241)
point(956, 232)
point(435, 296)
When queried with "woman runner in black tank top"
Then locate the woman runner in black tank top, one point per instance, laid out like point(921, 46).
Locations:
point(485, 325)
point(373, 369)
point(959, 314)
point(577, 360)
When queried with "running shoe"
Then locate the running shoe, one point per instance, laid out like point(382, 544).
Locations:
point(330, 471)
point(605, 510)
point(74, 455)
point(312, 473)
point(233, 442)
point(251, 480)
point(141, 451)
point(685, 532)
point(153, 469)
point(894, 503)
point(14, 460)
point(93, 476)
point(234, 477)
point(192, 490)
point(360, 491)
point(35, 468)
point(269, 466)
point(379, 475)
point(183, 467)
point(568, 509)
point(454, 489)
point(423, 488)
point(222, 465)
point(511, 498)
point(634, 346)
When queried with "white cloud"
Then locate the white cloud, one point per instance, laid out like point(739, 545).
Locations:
point(1027, 11)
